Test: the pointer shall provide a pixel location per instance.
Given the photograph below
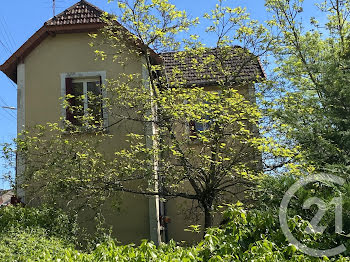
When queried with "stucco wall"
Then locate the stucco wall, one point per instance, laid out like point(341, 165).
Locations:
point(66, 53)
point(185, 212)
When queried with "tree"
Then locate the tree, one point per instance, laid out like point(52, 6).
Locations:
point(312, 98)
point(210, 165)
point(311, 102)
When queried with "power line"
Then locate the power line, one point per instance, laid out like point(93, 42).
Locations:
point(5, 115)
point(6, 109)
point(8, 34)
point(11, 83)
point(5, 42)
point(6, 48)
point(8, 114)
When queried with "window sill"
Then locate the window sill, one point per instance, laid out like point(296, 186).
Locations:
point(78, 130)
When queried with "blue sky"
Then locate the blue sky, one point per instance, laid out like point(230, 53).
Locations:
point(20, 19)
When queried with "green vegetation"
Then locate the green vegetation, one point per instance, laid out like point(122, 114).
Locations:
point(307, 131)
point(246, 236)
point(162, 155)
point(54, 222)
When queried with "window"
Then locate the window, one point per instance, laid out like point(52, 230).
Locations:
point(196, 127)
point(205, 122)
point(84, 96)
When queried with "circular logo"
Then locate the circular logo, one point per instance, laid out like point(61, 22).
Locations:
point(325, 178)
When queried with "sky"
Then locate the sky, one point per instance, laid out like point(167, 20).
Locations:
point(20, 19)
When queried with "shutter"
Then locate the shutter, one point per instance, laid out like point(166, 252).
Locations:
point(71, 101)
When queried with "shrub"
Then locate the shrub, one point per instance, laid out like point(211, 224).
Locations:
point(30, 245)
point(54, 222)
point(251, 235)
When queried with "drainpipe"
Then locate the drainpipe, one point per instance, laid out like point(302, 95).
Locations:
point(153, 201)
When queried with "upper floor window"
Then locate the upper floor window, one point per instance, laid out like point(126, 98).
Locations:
point(84, 96)
point(196, 127)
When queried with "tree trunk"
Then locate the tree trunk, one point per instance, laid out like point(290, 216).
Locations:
point(208, 218)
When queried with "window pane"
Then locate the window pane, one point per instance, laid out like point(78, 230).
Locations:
point(199, 126)
point(78, 89)
point(94, 87)
point(78, 105)
point(95, 101)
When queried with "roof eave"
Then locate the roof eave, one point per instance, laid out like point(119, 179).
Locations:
point(263, 73)
point(9, 68)
point(10, 65)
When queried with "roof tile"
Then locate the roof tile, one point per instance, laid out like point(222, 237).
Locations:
point(80, 13)
point(240, 64)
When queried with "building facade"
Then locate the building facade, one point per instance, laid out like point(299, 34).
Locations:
point(58, 59)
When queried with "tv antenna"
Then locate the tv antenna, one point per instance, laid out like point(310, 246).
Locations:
point(54, 7)
point(9, 107)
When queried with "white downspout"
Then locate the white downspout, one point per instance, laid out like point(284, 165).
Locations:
point(153, 201)
point(20, 167)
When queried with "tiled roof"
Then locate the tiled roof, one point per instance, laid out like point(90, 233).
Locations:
point(85, 17)
point(80, 13)
point(82, 17)
point(241, 65)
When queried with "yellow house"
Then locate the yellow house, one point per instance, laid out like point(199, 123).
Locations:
point(57, 59)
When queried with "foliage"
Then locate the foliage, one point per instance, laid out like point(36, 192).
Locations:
point(30, 245)
point(35, 234)
point(164, 155)
point(67, 159)
point(246, 236)
point(309, 108)
point(204, 166)
point(268, 197)
point(53, 222)
point(310, 111)
point(312, 98)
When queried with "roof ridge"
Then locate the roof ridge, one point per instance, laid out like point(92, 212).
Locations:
point(94, 6)
point(206, 47)
point(64, 12)
point(79, 18)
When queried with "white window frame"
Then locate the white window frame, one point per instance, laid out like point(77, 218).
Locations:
point(85, 81)
point(85, 77)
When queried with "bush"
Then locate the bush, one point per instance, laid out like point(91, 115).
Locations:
point(268, 197)
point(31, 245)
point(251, 235)
point(54, 222)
